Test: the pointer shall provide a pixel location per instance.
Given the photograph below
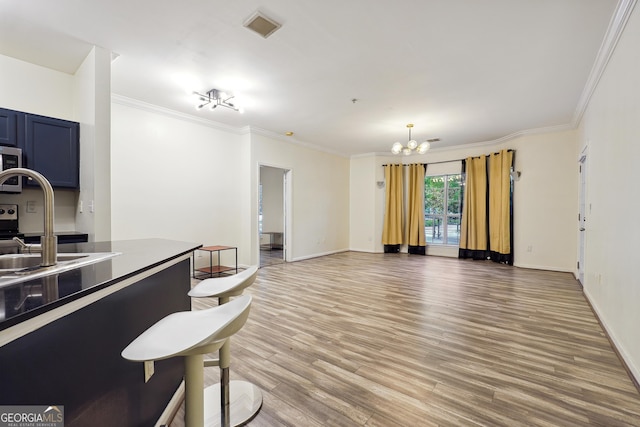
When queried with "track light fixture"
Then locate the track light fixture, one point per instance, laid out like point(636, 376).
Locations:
point(216, 98)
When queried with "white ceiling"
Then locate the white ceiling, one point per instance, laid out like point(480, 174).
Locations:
point(465, 71)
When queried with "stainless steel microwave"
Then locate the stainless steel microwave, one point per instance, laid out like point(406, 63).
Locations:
point(11, 157)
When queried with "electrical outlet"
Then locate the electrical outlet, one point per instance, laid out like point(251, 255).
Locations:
point(149, 369)
point(31, 206)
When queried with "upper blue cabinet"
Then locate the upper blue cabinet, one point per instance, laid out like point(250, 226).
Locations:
point(8, 127)
point(49, 146)
point(52, 147)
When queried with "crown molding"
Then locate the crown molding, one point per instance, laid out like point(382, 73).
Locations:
point(526, 132)
point(372, 154)
point(292, 140)
point(463, 146)
point(608, 46)
point(245, 130)
point(145, 106)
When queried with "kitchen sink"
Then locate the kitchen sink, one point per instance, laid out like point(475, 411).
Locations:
point(22, 261)
point(16, 268)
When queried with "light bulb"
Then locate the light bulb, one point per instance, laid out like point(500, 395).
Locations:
point(424, 147)
point(412, 144)
point(396, 148)
point(406, 151)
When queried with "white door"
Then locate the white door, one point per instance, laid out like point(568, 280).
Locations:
point(582, 216)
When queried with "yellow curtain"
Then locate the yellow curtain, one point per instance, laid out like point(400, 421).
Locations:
point(393, 213)
point(499, 202)
point(416, 206)
point(473, 232)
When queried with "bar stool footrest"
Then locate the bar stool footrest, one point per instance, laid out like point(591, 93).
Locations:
point(211, 362)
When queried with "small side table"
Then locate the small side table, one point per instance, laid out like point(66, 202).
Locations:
point(214, 269)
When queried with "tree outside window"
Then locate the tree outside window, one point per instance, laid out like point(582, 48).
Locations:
point(442, 209)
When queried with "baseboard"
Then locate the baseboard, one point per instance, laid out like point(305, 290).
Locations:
point(302, 258)
point(632, 370)
point(368, 251)
point(172, 408)
point(542, 267)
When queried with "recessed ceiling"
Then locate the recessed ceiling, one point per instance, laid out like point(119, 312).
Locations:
point(465, 71)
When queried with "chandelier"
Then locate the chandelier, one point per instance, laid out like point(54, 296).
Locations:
point(412, 145)
point(216, 98)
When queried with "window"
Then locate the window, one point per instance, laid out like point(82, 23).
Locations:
point(442, 206)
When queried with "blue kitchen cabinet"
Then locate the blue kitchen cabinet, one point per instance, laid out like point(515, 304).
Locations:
point(52, 147)
point(9, 127)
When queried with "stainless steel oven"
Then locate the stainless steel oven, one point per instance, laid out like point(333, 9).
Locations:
point(11, 157)
point(9, 229)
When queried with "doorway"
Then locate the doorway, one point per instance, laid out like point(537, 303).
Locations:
point(582, 216)
point(272, 215)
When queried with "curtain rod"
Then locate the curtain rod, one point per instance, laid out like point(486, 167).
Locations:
point(432, 163)
point(447, 161)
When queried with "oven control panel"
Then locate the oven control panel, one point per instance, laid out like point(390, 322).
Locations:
point(8, 212)
point(8, 220)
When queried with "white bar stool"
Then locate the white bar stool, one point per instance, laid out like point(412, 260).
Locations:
point(191, 334)
point(239, 401)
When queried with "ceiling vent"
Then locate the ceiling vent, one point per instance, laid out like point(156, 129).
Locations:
point(261, 24)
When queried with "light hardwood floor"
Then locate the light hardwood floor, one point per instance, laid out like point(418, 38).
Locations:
point(357, 339)
point(270, 257)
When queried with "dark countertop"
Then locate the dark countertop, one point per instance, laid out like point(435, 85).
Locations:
point(57, 233)
point(136, 257)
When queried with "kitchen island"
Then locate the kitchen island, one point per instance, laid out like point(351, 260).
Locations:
point(61, 344)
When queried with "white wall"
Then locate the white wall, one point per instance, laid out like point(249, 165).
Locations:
point(610, 130)
point(92, 96)
point(35, 89)
point(320, 195)
point(181, 178)
point(177, 178)
point(545, 198)
point(546, 201)
point(363, 233)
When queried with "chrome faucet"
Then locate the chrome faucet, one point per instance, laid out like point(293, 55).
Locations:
point(49, 241)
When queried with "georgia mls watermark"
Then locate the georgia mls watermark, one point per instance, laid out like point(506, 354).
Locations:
point(31, 416)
